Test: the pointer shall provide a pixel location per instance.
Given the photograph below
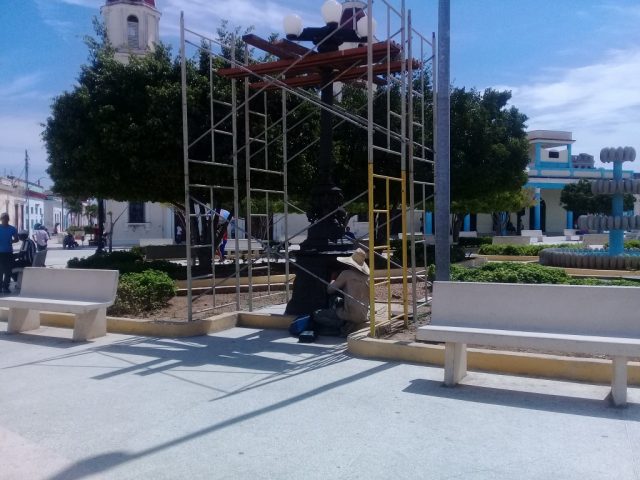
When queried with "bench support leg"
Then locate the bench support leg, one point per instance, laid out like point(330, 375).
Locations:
point(455, 363)
point(90, 325)
point(619, 381)
point(22, 319)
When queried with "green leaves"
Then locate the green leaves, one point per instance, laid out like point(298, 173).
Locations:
point(511, 272)
point(578, 198)
point(142, 292)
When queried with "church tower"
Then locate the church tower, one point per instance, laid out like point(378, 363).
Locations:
point(132, 26)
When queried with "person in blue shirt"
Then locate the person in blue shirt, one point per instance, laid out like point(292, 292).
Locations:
point(8, 236)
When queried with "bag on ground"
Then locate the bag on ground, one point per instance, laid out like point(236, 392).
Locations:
point(299, 325)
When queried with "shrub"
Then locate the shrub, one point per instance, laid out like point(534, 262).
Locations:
point(472, 242)
point(510, 272)
point(520, 250)
point(628, 245)
point(126, 261)
point(514, 272)
point(142, 292)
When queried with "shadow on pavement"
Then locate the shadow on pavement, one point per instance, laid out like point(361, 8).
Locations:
point(100, 463)
point(531, 400)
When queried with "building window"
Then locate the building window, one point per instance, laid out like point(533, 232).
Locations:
point(132, 31)
point(136, 212)
point(554, 154)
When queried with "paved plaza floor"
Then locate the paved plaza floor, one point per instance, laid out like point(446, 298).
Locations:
point(254, 404)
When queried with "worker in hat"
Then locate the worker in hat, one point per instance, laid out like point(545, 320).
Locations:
point(350, 314)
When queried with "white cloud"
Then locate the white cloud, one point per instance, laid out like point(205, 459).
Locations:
point(599, 103)
point(17, 134)
point(204, 16)
point(20, 86)
point(85, 3)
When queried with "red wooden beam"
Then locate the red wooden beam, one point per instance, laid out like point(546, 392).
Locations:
point(315, 79)
point(278, 49)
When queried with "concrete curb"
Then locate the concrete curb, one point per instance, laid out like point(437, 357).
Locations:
point(591, 370)
point(150, 328)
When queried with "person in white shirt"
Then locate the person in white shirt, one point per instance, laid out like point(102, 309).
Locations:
point(41, 237)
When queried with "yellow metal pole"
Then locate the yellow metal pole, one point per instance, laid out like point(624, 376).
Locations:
point(388, 250)
point(372, 286)
point(405, 293)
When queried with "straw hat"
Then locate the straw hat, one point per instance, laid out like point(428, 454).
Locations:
point(356, 261)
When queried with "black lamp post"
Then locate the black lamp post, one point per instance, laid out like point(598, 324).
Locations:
point(345, 23)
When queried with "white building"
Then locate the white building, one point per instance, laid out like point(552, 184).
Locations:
point(551, 167)
point(12, 200)
point(132, 28)
point(134, 223)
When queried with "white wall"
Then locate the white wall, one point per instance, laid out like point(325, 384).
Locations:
point(556, 216)
point(295, 223)
point(158, 223)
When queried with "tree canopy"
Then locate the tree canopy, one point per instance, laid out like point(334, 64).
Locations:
point(579, 199)
point(118, 134)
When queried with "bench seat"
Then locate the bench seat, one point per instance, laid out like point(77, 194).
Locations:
point(554, 342)
point(52, 304)
point(85, 293)
point(566, 319)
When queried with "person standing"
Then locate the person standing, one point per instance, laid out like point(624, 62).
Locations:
point(8, 236)
point(41, 238)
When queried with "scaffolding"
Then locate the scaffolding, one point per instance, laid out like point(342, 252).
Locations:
point(399, 158)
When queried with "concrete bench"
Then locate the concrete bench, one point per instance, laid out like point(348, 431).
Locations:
point(537, 234)
point(171, 252)
point(590, 239)
point(469, 234)
point(85, 293)
point(571, 234)
point(244, 245)
point(568, 319)
point(511, 240)
point(144, 242)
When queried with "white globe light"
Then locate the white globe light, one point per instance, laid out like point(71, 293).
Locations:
point(292, 25)
point(331, 11)
point(362, 27)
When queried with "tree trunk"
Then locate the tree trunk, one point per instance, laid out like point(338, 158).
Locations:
point(456, 226)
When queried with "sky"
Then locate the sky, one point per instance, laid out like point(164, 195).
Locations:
point(571, 65)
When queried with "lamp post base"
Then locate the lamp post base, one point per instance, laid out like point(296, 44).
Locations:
point(309, 293)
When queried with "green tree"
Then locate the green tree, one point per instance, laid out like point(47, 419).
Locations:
point(579, 199)
point(91, 212)
point(489, 153)
point(118, 134)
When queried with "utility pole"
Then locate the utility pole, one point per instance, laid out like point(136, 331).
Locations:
point(26, 186)
point(442, 190)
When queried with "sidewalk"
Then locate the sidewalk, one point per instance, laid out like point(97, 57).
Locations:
point(255, 404)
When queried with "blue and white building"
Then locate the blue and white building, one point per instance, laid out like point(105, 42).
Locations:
point(552, 165)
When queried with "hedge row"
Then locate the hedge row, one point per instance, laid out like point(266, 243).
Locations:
point(521, 250)
point(128, 261)
point(515, 272)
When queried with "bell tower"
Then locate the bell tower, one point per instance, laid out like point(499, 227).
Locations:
point(132, 26)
